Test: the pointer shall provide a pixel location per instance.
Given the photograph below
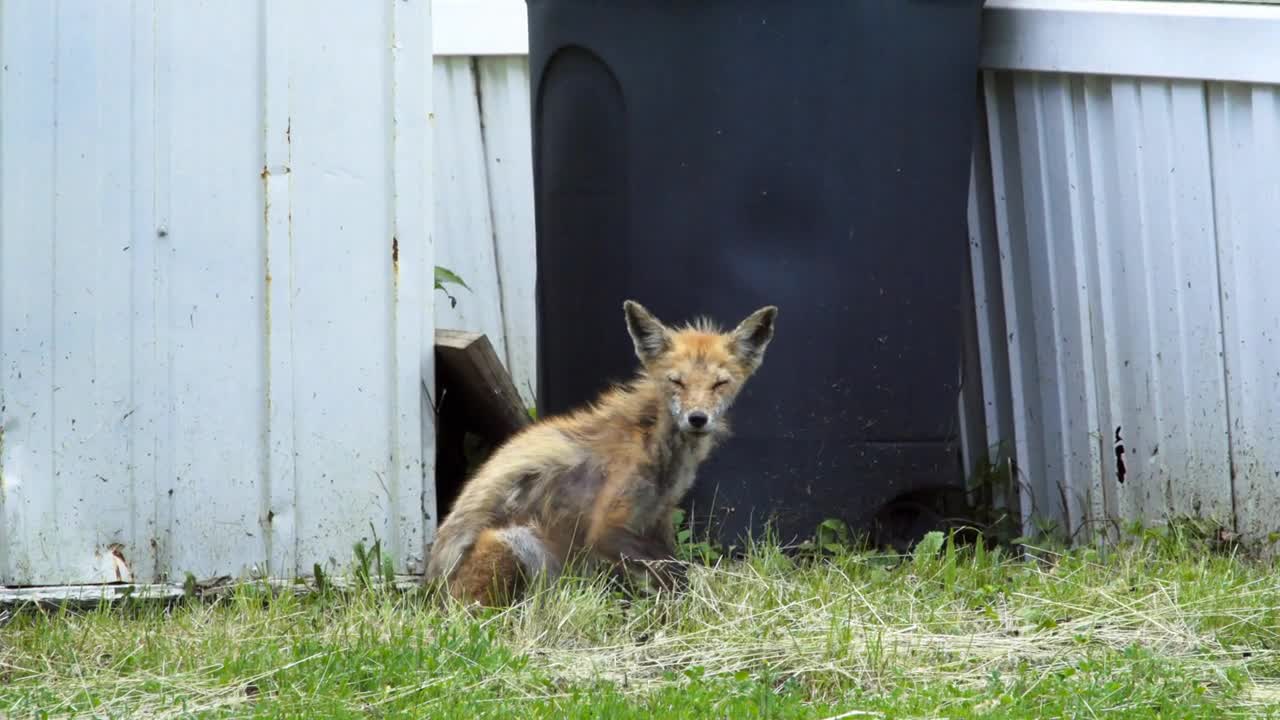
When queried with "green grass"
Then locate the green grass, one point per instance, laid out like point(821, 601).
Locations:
point(1158, 628)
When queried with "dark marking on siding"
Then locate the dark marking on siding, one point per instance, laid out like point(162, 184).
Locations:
point(1120, 469)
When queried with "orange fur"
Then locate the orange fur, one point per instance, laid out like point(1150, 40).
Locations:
point(490, 573)
point(602, 480)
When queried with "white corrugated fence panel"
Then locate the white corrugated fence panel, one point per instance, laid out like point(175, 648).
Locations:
point(1013, 285)
point(504, 89)
point(988, 408)
point(1244, 125)
point(209, 272)
point(484, 206)
point(463, 220)
point(1135, 222)
point(213, 309)
point(1164, 364)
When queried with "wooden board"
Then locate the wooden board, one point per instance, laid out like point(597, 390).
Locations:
point(471, 374)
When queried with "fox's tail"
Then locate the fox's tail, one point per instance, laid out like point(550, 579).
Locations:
point(454, 538)
point(485, 503)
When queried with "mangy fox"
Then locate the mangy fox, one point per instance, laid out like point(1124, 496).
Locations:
point(601, 482)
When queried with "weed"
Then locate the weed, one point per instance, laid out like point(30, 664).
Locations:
point(445, 276)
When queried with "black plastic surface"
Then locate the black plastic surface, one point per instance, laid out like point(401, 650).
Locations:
point(715, 156)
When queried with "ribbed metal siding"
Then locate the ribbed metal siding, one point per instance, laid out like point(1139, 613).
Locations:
point(1132, 223)
point(214, 240)
point(484, 205)
point(1244, 124)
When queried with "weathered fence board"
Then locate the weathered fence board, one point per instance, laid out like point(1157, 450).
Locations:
point(484, 205)
point(214, 323)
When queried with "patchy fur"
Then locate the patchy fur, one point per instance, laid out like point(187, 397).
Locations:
point(601, 481)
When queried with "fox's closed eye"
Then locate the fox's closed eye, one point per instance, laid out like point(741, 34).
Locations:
point(719, 384)
point(677, 382)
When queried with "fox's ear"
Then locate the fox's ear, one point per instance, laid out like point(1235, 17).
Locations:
point(650, 336)
point(752, 335)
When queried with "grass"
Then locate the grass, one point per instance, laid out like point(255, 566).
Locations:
point(1160, 627)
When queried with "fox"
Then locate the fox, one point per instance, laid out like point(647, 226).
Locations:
point(600, 482)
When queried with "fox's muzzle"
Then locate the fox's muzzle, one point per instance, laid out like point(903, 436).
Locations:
point(696, 421)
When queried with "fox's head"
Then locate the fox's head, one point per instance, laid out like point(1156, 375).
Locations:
point(699, 369)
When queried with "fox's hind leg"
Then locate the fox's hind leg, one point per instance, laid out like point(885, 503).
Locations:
point(501, 564)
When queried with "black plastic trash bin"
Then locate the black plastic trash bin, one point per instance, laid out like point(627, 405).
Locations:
point(715, 156)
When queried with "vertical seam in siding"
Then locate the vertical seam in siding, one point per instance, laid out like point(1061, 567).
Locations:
point(141, 239)
point(279, 514)
point(1082, 286)
point(412, 342)
point(392, 490)
point(54, 503)
point(295, 524)
point(163, 412)
point(1002, 185)
point(994, 378)
point(477, 79)
point(1054, 350)
point(4, 517)
point(1222, 313)
point(1098, 276)
point(1155, 356)
point(265, 487)
point(1179, 297)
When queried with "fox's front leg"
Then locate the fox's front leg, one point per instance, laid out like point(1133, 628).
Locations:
point(633, 552)
point(672, 569)
point(614, 535)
